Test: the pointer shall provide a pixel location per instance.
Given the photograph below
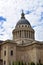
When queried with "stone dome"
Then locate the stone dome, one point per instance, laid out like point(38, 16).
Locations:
point(23, 20)
point(23, 31)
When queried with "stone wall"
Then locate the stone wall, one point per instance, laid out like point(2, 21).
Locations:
point(40, 52)
point(8, 46)
point(26, 53)
point(30, 53)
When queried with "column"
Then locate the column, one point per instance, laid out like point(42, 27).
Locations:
point(28, 34)
point(31, 34)
point(18, 34)
point(23, 34)
point(13, 35)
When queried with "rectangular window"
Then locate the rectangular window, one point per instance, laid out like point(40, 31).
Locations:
point(11, 52)
point(5, 53)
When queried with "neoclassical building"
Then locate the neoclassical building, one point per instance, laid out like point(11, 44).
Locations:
point(23, 47)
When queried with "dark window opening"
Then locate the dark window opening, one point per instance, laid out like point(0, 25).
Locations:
point(11, 52)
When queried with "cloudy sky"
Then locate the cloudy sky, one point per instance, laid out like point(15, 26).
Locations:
point(10, 11)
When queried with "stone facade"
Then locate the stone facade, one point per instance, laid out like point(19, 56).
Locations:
point(23, 47)
point(30, 53)
point(6, 49)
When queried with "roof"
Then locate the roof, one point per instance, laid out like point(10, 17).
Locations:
point(1, 41)
point(23, 20)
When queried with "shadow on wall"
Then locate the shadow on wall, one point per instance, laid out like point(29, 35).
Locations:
point(1, 62)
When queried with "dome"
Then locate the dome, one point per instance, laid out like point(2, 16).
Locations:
point(23, 20)
point(23, 31)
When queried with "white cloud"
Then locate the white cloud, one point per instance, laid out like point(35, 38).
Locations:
point(11, 10)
